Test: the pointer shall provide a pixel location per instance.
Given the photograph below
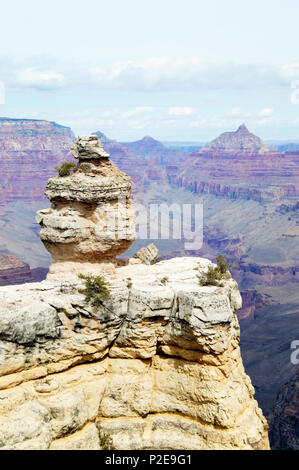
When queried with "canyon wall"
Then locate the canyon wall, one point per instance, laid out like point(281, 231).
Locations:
point(155, 365)
point(29, 152)
point(285, 417)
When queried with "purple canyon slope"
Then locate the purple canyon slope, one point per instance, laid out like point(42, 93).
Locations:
point(155, 366)
point(250, 197)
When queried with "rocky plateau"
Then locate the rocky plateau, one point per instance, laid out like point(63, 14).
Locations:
point(250, 196)
point(157, 365)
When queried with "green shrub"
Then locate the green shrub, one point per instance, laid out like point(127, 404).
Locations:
point(96, 289)
point(106, 441)
point(211, 278)
point(214, 275)
point(65, 169)
point(223, 264)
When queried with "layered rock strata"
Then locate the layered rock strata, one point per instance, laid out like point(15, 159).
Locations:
point(29, 152)
point(91, 219)
point(157, 366)
point(13, 270)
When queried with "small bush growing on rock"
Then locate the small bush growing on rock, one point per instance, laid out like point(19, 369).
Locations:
point(223, 264)
point(106, 441)
point(96, 289)
point(211, 278)
point(65, 169)
point(214, 275)
point(164, 280)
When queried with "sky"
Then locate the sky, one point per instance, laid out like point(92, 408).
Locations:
point(176, 70)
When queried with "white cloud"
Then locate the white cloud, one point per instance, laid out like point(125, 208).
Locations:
point(237, 112)
point(180, 111)
point(138, 110)
point(164, 74)
point(43, 79)
point(150, 75)
point(266, 112)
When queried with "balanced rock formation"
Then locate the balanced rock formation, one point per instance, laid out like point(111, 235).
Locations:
point(91, 219)
point(156, 365)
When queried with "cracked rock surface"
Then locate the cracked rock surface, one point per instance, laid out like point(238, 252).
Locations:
point(157, 366)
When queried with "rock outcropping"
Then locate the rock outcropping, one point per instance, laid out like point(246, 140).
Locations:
point(156, 365)
point(91, 219)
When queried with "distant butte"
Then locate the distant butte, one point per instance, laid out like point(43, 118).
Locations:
point(239, 142)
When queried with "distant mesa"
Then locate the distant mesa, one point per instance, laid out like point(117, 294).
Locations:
point(239, 142)
point(145, 147)
point(13, 270)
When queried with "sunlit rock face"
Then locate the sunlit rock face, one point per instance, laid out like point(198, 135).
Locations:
point(157, 366)
point(91, 219)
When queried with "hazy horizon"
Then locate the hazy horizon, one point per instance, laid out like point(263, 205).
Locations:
point(178, 71)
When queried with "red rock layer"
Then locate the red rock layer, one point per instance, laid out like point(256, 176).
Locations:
point(13, 271)
point(29, 152)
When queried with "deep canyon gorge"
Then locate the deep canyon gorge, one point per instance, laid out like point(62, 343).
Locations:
point(250, 197)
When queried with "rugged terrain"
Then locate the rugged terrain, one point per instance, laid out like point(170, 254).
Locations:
point(251, 215)
point(285, 418)
point(156, 365)
point(30, 150)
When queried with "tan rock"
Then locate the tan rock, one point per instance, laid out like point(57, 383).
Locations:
point(155, 366)
point(148, 254)
point(166, 369)
point(91, 219)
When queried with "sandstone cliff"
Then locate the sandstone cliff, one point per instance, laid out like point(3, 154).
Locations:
point(156, 365)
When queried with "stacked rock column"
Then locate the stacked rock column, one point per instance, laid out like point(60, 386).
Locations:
point(91, 219)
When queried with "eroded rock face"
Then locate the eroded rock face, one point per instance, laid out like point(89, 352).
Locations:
point(239, 142)
point(91, 219)
point(13, 270)
point(285, 418)
point(157, 366)
point(30, 150)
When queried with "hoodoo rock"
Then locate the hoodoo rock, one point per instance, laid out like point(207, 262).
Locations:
point(156, 365)
point(91, 219)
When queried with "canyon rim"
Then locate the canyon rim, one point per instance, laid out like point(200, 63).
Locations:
point(156, 366)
